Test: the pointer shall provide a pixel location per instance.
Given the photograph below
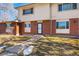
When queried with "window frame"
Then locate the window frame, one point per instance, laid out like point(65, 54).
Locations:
point(61, 6)
point(31, 11)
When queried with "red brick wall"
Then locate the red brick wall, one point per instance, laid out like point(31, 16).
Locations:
point(2, 28)
point(46, 26)
point(34, 27)
point(74, 27)
point(14, 28)
point(53, 26)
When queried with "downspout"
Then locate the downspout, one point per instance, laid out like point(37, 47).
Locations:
point(50, 15)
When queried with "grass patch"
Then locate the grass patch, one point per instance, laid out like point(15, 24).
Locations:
point(11, 39)
point(63, 40)
point(22, 38)
point(14, 37)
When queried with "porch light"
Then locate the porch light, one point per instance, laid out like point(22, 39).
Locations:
point(16, 21)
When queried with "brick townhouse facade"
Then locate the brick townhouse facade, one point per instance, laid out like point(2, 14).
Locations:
point(45, 18)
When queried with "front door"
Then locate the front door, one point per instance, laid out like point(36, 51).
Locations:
point(21, 28)
point(39, 28)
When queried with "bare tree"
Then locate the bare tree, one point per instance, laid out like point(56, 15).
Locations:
point(8, 13)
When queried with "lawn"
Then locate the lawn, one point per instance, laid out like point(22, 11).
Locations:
point(56, 46)
point(46, 46)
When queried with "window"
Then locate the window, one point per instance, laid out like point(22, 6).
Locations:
point(60, 7)
point(28, 11)
point(67, 6)
point(9, 25)
point(28, 25)
point(62, 25)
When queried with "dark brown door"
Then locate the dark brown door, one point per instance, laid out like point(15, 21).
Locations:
point(21, 28)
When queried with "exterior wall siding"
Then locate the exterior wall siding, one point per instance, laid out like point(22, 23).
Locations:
point(34, 27)
point(74, 26)
point(2, 28)
point(14, 28)
point(53, 27)
point(40, 12)
point(46, 26)
point(66, 14)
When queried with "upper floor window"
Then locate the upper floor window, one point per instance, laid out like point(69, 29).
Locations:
point(28, 11)
point(67, 6)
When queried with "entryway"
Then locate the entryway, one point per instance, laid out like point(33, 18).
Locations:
point(19, 28)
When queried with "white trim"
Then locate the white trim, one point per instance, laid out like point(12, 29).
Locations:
point(62, 31)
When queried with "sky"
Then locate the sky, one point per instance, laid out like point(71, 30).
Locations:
point(20, 4)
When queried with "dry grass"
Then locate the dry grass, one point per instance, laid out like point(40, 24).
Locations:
point(63, 40)
point(56, 46)
point(12, 39)
point(47, 46)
